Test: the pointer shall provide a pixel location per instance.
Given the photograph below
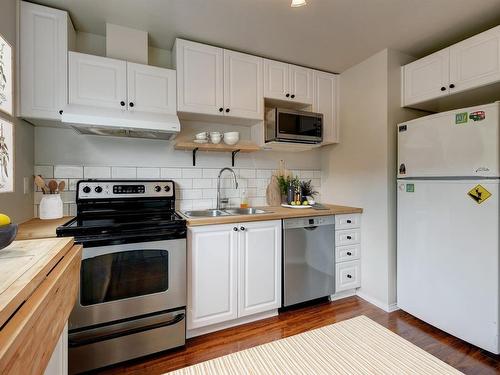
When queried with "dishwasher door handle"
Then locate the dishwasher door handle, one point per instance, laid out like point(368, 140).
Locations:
point(311, 227)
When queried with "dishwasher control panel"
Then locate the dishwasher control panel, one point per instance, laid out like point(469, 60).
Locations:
point(302, 222)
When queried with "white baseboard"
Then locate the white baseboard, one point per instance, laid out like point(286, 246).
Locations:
point(374, 301)
point(344, 294)
point(232, 323)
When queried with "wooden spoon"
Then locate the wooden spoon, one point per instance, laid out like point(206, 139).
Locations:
point(53, 186)
point(41, 183)
point(62, 185)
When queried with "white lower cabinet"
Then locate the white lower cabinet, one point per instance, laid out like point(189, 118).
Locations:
point(347, 252)
point(58, 363)
point(234, 270)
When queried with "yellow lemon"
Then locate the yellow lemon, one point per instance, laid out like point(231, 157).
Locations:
point(4, 220)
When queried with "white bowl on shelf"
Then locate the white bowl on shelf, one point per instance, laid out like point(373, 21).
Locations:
point(201, 136)
point(231, 138)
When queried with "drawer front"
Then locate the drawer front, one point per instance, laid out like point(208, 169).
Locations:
point(348, 275)
point(347, 253)
point(347, 221)
point(347, 237)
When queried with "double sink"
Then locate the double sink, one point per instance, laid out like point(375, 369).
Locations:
point(226, 212)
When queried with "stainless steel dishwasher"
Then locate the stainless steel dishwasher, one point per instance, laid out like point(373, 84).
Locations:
point(308, 259)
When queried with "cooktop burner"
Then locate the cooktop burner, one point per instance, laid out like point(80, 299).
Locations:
point(120, 211)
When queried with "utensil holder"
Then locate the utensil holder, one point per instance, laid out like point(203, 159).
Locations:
point(51, 207)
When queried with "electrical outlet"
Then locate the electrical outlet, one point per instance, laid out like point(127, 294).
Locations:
point(26, 185)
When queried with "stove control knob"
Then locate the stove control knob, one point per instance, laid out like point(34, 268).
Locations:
point(167, 188)
point(86, 190)
point(157, 188)
point(98, 189)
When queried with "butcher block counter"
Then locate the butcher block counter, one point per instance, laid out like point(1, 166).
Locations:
point(39, 281)
point(38, 228)
point(273, 213)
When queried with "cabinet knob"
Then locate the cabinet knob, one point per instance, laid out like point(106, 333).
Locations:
point(61, 112)
point(293, 96)
point(221, 109)
point(452, 86)
point(122, 103)
point(349, 253)
point(287, 95)
point(227, 109)
point(443, 88)
point(349, 221)
point(349, 276)
point(130, 104)
point(242, 228)
point(349, 237)
point(235, 229)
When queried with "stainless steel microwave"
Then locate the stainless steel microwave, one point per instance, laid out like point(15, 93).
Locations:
point(288, 125)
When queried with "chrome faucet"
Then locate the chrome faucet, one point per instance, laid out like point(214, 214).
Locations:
point(218, 185)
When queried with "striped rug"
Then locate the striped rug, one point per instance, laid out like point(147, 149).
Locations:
point(354, 346)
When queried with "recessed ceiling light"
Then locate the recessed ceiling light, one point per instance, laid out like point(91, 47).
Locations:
point(298, 3)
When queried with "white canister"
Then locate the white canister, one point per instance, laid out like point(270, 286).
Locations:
point(51, 207)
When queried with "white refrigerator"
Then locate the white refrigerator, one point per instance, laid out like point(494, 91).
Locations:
point(448, 222)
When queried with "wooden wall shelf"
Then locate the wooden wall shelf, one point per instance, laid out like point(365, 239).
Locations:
point(241, 146)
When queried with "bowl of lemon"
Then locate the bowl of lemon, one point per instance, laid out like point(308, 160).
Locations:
point(8, 231)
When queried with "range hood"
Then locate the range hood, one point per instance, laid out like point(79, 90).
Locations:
point(120, 123)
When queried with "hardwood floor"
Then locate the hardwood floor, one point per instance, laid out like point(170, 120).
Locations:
point(465, 357)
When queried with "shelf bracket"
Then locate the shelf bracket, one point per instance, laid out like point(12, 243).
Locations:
point(194, 156)
point(233, 154)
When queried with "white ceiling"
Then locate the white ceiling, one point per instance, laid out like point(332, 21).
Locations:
point(326, 34)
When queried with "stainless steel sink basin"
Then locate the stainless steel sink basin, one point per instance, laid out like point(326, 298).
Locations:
point(226, 212)
point(205, 213)
point(245, 211)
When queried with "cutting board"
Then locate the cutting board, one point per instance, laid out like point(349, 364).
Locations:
point(273, 193)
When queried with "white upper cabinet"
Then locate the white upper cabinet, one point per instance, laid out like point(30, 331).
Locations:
point(200, 75)
point(301, 84)
point(470, 64)
point(259, 267)
point(475, 61)
point(243, 94)
point(151, 89)
point(325, 101)
point(288, 82)
point(212, 275)
point(97, 81)
point(276, 80)
point(45, 35)
point(427, 78)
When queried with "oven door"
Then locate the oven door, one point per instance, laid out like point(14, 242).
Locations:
point(129, 280)
point(298, 126)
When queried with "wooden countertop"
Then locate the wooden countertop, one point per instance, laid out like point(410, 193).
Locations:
point(274, 213)
point(38, 228)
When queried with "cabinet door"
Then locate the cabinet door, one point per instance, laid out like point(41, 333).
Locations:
point(97, 81)
point(43, 64)
point(301, 84)
point(259, 267)
point(276, 80)
point(348, 275)
point(475, 62)
point(212, 275)
point(325, 101)
point(427, 78)
point(58, 363)
point(243, 94)
point(151, 89)
point(199, 78)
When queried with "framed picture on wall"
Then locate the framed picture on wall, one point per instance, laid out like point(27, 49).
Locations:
point(6, 157)
point(6, 73)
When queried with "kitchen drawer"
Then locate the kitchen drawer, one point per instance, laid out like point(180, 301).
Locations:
point(348, 275)
point(347, 221)
point(347, 253)
point(347, 237)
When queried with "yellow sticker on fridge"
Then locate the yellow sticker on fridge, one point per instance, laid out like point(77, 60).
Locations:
point(479, 194)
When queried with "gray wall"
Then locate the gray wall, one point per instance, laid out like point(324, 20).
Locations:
point(17, 205)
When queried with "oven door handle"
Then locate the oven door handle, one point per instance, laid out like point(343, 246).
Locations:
point(74, 342)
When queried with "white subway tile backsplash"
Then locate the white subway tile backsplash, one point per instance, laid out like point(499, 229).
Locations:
point(148, 172)
point(96, 172)
point(124, 172)
point(196, 188)
point(68, 171)
point(171, 173)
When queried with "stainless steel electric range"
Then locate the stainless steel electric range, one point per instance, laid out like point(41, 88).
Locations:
point(132, 296)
